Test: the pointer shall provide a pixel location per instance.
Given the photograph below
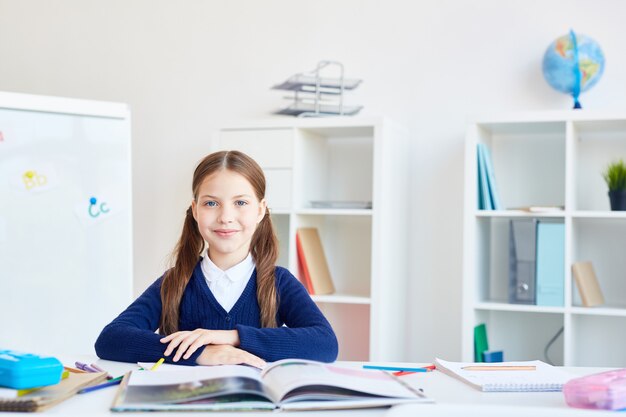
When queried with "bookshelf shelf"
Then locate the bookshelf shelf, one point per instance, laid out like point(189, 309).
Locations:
point(335, 212)
point(605, 311)
point(495, 306)
point(517, 213)
point(547, 159)
point(328, 161)
point(341, 299)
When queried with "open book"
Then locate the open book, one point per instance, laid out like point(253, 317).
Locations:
point(507, 376)
point(290, 384)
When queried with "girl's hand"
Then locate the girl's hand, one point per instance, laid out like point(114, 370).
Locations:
point(188, 342)
point(228, 355)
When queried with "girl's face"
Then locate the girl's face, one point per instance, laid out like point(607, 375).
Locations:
point(227, 212)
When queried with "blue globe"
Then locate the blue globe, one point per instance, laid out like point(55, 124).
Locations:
point(573, 64)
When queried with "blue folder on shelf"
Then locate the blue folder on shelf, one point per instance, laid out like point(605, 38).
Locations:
point(491, 179)
point(550, 264)
point(488, 198)
point(484, 195)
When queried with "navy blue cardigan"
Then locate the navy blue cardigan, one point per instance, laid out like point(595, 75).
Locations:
point(131, 336)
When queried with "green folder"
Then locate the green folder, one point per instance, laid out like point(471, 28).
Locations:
point(480, 342)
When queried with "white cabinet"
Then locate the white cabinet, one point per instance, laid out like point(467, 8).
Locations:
point(342, 160)
point(540, 159)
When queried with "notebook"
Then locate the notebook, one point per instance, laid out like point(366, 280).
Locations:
point(46, 397)
point(543, 378)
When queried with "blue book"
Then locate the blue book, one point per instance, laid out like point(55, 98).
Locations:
point(491, 178)
point(484, 198)
point(550, 264)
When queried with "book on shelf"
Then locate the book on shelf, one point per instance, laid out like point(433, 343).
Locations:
point(550, 264)
point(522, 376)
point(289, 384)
point(484, 200)
point(491, 178)
point(315, 271)
point(587, 283)
point(303, 271)
point(522, 261)
point(489, 198)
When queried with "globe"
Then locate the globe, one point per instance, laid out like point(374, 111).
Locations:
point(573, 64)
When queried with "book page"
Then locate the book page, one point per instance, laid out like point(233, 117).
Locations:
point(319, 381)
point(544, 378)
point(195, 384)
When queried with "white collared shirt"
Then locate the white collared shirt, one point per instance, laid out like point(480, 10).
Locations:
point(227, 286)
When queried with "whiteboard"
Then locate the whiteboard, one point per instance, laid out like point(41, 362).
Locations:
point(65, 221)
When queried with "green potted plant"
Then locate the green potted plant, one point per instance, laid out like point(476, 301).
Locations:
point(615, 177)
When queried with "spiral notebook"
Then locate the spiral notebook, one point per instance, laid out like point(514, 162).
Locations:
point(539, 377)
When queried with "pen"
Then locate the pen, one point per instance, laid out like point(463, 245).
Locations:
point(156, 365)
point(499, 368)
point(401, 373)
point(396, 368)
point(110, 383)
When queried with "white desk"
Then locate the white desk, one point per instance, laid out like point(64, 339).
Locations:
point(453, 398)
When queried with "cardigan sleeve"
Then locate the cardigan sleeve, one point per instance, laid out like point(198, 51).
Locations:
point(132, 337)
point(307, 334)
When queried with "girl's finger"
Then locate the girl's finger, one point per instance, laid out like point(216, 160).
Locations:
point(189, 339)
point(168, 337)
point(201, 341)
point(175, 342)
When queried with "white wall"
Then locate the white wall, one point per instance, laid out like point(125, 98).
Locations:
point(187, 67)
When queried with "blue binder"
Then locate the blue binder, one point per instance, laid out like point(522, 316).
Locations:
point(522, 261)
point(491, 178)
point(550, 264)
point(484, 195)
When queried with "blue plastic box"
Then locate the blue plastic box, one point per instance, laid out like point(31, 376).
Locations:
point(24, 370)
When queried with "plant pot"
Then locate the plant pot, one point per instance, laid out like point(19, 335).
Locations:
point(618, 200)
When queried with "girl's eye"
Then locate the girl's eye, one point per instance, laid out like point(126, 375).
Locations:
point(211, 203)
point(241, 203)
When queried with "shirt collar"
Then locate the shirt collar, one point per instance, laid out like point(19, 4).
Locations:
point(243, 270)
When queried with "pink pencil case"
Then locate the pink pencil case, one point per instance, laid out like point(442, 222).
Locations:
point(606, 391)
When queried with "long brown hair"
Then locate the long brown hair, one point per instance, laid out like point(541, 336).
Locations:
point(263, 246)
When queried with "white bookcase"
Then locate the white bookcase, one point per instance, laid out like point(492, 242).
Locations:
point(342, 159)
point(539, 159)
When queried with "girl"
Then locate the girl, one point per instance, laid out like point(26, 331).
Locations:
point(230, 306)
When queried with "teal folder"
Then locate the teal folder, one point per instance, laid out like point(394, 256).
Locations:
point(484, 195)
point(491, 178)
point(550, 264)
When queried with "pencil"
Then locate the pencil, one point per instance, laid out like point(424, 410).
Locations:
point(398, 368)
point(156, 365)
point(500, 368)
point(112, 382)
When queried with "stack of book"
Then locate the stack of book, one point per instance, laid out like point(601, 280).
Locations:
point(488, 198)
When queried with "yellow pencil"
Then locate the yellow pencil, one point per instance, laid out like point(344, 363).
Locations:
point(156, 365)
